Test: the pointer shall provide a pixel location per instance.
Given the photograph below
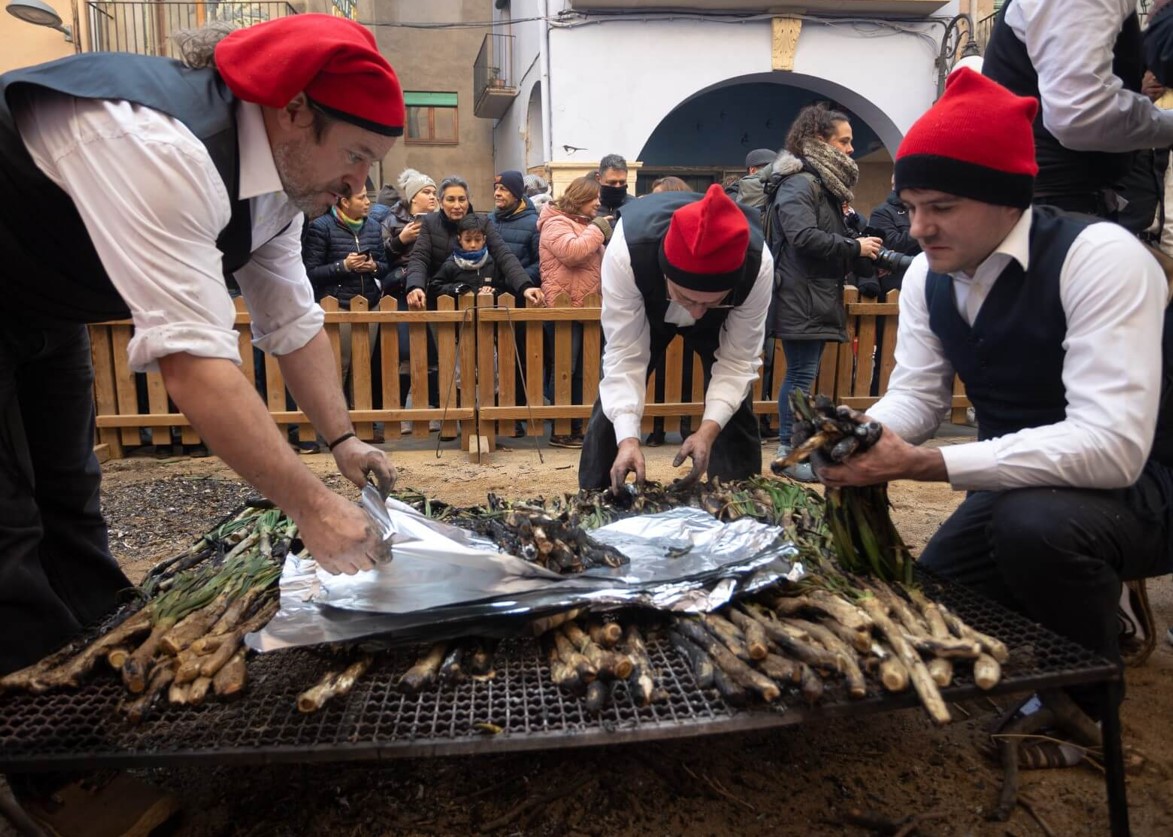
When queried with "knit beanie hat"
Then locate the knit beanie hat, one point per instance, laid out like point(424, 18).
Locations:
point(513, 181)
point(410, 183)
point(759, 157)
point(705, 246)
point(976, 142)
point(334, 60)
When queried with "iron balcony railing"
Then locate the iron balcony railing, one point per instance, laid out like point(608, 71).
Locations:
point(146, 27)
point(492, 76)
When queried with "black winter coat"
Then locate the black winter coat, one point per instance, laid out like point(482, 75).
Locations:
point(397, 252)
point(326, 244)
point(814, 253)
point(890, 220)
point(455, 280)
point(519, 229)
point(437, 241)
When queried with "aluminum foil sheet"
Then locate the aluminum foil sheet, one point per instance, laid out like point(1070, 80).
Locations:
point(445, 581)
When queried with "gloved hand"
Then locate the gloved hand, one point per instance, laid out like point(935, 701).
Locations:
point(869, 288)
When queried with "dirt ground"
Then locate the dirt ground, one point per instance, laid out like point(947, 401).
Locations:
point(795, 781)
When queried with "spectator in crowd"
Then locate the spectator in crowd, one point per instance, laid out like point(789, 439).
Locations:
point(613, 194)
point(815, 251)
point(517, 221)
point(749, 190)
point(1067, 495)
point(537, 190)
point(381, 208)
point(679, 264)
point(571, 246)
point(401, 229)
point(344, 258)
point(1143, 188)
point(1083, 61)
point(208, 158)
point(470, 267)
point(669, 183)
point(437, 241)
point(890, 221)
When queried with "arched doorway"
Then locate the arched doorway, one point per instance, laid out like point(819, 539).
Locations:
point(706, 137)
point(535, 140)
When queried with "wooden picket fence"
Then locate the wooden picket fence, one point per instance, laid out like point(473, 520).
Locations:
point(477, 377)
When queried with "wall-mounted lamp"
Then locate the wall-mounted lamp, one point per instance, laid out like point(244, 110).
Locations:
point(42, 14)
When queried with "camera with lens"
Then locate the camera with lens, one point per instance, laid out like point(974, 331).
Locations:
point(892, 261)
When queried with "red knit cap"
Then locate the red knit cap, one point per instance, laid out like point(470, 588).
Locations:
point(976, 141)
point(705, 246)
point(334, 60)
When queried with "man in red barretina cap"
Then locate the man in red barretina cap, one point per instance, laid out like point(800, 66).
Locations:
point(681, 263)
point(1054, 323)
point(137, 186)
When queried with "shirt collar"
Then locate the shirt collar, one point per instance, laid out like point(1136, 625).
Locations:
point(258, 172)
point(1016, 245)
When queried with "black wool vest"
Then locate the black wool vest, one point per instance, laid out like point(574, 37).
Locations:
point(50, 269)
point(1063, 171)
point(1011, 358)
point(645, 223)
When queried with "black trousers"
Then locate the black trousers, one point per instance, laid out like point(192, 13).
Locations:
point(1059, 555)
point(56, 571)
point(736, 452)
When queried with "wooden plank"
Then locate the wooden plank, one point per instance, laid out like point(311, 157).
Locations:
point(535, 375)
point(592, 352)
point(360, 368)
point(825, 379)
point(104, 452)
point(158, 405)
point(389, 362)
point(446, 353)
point(330, 306)
point(105, 398)
point(468, 365)
point(125, 380)
point(486, 384)
point(673, 379)
point(560, 368)
point(506, 359)
point(888, 344)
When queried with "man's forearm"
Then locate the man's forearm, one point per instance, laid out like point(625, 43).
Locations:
point(312, 377)
point(231, 418)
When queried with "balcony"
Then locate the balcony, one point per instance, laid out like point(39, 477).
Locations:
point(873, 8)
point(146, 27)
point(493, 85)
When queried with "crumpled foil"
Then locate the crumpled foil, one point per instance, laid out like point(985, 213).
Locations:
point(446, 582)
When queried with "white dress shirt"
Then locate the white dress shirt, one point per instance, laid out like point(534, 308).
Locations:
point(1084, 104)
point(1113, 295)
point(628, 351)
point(154, 205)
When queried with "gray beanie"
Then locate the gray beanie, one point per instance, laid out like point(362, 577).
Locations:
point(411, 181)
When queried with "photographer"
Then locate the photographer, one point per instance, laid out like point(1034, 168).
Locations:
point(890, 222)
point(814, 251)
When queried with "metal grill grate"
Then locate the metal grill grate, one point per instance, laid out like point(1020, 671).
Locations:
point(84, 729)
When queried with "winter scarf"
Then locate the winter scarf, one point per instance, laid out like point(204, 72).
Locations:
point(351, 224)
point(838, 172)
point(470, 259)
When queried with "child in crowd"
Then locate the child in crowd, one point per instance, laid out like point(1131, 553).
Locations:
point(470, 267)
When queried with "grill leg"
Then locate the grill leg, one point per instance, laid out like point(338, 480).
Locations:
point(1114, 759)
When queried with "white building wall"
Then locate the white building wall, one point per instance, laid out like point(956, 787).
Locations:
point(614, 79)
point(514, 130)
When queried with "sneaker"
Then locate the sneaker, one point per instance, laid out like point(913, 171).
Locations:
point(405, 428)
point(655, 439)
point(102, 806)
point(566, 441)
point(801, 472)
point(433, 426)
point(306, 448)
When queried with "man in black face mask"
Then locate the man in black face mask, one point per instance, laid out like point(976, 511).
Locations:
point(613, 194)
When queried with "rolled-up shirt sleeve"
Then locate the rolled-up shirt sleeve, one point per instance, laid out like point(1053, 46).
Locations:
point(278, 294)
point(739, 354)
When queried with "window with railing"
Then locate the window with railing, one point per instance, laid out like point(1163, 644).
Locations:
point(432, 118)
point(146, 27)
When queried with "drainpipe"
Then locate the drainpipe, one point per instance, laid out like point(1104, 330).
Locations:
point(547, 115)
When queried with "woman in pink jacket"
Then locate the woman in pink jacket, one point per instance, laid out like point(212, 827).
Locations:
point(571, 241)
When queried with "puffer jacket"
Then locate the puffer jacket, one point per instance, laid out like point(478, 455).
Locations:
point(436, 243)
point(519, 229)
point(571, 256)
point(325, 246)
point(813, 254)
